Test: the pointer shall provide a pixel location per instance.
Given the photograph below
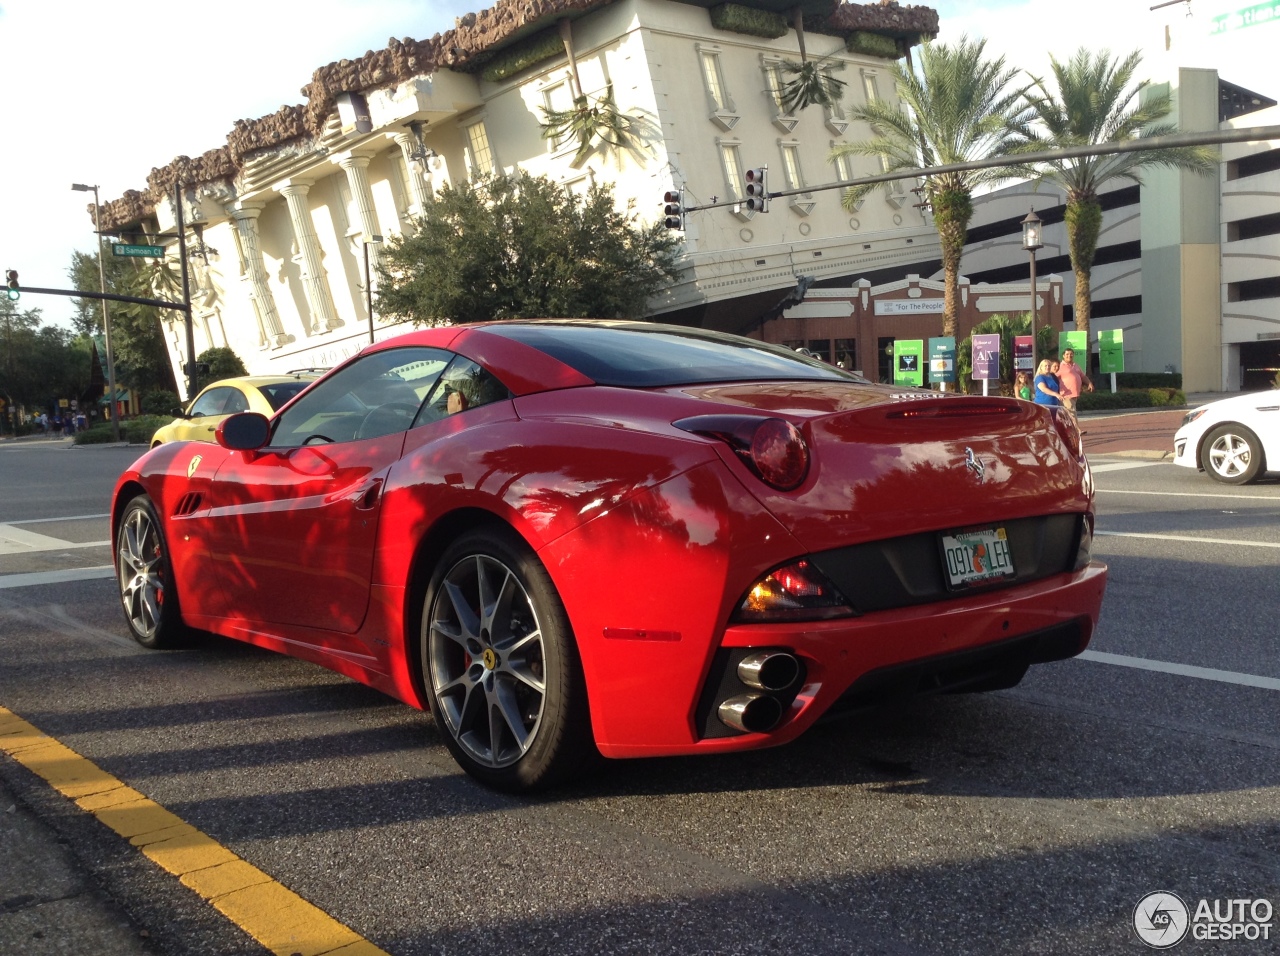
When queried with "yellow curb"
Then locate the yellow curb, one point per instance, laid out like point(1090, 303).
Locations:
point(287, 923)
point(275, 916)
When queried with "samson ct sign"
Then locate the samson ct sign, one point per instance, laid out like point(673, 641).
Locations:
point(139, 252)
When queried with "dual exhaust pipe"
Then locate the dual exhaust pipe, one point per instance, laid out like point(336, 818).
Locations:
point(769, 673)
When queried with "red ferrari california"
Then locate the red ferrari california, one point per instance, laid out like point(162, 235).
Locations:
point(576, 537)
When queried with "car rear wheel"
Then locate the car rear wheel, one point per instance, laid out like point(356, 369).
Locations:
point(1232, 454)
point(502, 672)
point(145, 577)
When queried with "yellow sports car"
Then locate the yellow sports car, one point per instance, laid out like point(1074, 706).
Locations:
point(248, 393)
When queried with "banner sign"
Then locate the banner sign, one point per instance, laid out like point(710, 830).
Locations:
point(986, 356)
point(908, 362)
point(1075, 340)
point(909, 306)
point(1024, 354)
point(1111, 351)
point(942, 359)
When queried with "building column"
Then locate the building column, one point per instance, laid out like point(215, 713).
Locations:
point(271, 333)
point(419, 174)
point(315, 281)
point(357, 170)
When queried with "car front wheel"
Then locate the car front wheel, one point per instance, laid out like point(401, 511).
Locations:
point(145, 577)
point(502, 672)
point(1232, 454)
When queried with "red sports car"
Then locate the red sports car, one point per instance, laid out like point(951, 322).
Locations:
point(566, 537)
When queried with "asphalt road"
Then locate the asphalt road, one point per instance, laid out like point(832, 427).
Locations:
point(1032, 820)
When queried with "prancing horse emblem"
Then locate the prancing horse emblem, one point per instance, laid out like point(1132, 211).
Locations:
point(193, 464)
point(974, 464)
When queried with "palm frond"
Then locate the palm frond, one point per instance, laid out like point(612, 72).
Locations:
point(592, 123)
point(811, 83)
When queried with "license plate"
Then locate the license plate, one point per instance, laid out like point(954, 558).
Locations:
point(976, 557)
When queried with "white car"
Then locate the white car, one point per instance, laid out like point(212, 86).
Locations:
point(1235, 440)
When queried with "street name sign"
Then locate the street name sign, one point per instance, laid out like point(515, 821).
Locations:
point(138, 252)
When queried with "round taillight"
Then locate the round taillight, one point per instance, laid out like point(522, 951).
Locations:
point(779, 454)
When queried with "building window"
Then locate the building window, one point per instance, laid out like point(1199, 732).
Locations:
point(870, 87)
point(844, 172)
point(847, 353)
point(773, 80)
point(714, 80)
point(791, 165)
point(731, 162)
point(821, 348)
point(559, 98)
point(479, 156)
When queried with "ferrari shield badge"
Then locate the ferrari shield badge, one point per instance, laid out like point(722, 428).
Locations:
point(193, 464)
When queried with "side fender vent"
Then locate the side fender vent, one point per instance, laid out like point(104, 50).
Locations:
point(188, 505)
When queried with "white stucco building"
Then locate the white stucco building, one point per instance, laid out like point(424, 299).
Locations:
point(290, 200)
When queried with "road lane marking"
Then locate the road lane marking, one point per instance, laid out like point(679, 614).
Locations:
point(1120, 465)
point(48, 520)
point(274, 915)
point(36, 578)
point(1187, 537)
point(16, 541)
point(1183, 670)
point(1190, 494)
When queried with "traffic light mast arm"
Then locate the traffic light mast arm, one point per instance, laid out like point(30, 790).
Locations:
point(110, 297)
point(1251, 134)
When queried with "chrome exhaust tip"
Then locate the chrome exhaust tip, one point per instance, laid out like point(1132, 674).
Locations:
point(750, 713)
point(769, 670)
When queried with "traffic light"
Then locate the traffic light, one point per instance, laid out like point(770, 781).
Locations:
point(673, 208)
point(757, 189)
point(15, 293)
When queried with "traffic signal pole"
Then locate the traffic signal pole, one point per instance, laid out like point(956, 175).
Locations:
point(186, 293)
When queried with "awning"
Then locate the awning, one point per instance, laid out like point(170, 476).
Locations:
point(122, 395)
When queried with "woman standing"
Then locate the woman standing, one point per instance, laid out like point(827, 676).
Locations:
point(1048, 390)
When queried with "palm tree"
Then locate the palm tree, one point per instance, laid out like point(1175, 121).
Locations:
point(1096, 102)
point(959, 108)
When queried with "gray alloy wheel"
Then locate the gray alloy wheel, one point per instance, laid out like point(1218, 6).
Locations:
point(502, 674)
point(145, 577)
point(1232, 454)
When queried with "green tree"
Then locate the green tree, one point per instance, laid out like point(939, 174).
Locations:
point(521, 246)
point(1095, 102)
point(39, 364)
point(959, 107)
point(223, 363)
point(1007, 327)
point(137, 331)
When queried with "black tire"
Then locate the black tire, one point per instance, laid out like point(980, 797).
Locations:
point(1232, 454)
point(145, 578)
point(501, 667)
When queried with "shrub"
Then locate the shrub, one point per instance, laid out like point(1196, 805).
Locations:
point(757, 23)
point(872, 44)
point(1143, 379)
point(160, 402)
point(135, 431)
point(539, 47)
point(1132, 398)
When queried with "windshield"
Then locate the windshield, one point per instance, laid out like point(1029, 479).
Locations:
point(280, 393)
point(650, 355)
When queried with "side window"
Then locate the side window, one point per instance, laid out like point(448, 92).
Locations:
point(236, 402)
point(463, 385)
point(378, 394)
point(211, 402)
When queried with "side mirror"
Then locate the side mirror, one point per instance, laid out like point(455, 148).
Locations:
point(178, 412)
point(246, 431)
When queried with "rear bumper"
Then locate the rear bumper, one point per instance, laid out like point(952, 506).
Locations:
point(982, 641)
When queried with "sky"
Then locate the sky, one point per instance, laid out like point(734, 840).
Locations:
point(102, 92)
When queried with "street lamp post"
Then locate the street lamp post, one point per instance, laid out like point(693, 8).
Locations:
point(368, 285)
point(106, 315)
point(1031, 242)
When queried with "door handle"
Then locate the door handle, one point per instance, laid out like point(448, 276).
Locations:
point(367, 497)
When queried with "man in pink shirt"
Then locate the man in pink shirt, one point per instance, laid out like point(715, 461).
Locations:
point(1073, 379)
